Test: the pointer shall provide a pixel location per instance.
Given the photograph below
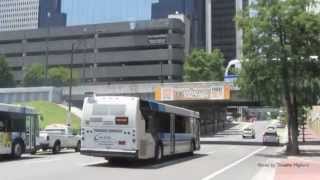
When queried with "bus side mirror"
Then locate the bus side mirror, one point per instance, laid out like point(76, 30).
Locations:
point(41, 118)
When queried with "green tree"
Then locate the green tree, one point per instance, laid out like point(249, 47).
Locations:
point(35, 75)
point(60, 76)
point(6, 77)
point(202, 66)
point(280, 36)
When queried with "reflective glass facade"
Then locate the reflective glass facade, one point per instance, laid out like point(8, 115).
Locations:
point(193, 9)
point(224, 27)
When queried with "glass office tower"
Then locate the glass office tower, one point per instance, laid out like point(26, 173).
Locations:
point(193, 9)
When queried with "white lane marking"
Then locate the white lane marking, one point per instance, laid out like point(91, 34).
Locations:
point(93, 163)
point(210, 152)
point(268, 172)
point(232, 164)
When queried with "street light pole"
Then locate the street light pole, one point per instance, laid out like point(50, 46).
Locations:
point(47, 48)
point(73, 47)
point(70, 85)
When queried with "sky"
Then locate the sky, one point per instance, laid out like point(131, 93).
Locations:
point(102, 11)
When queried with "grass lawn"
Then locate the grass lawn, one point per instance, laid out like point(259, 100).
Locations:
point(53, 114)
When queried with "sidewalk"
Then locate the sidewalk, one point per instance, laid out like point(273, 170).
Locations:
point(310, 137)
point(306, 165)
point(298, 169)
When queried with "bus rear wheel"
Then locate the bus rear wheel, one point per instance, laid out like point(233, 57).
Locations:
point(77, 149)
point(192, 148)
point(16, 150)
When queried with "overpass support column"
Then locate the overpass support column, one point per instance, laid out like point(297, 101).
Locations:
point(216, 120)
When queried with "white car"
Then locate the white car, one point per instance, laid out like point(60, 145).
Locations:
point(272, 128)
point(59, 136)
point(249, 132)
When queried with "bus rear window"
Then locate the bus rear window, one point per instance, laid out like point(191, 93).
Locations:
point(109, 110)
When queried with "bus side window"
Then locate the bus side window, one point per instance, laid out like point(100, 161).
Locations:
point(18, 123)
point(4, 122)
point(163, 122)
point(182, 124)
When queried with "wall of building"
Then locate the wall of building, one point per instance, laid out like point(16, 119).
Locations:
point(142, 51)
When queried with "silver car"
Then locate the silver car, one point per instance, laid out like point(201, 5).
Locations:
point(271, 138)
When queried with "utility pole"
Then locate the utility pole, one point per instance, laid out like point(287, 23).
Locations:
point(70, 85)
point(73, 47)
point(47, 48)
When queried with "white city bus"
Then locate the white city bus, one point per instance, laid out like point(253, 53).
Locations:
point(116, 127)
point(19, 129)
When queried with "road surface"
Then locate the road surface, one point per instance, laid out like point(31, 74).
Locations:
point(214, 161)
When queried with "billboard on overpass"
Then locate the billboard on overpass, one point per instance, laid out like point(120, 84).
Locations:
point(213, 92)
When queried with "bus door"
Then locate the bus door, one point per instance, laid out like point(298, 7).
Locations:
point(5, 136)
point(172, 134)
point(30, 132)
point(197, 132)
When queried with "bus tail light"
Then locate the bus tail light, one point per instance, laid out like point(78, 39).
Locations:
point(122, 142)
point(122, 120)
